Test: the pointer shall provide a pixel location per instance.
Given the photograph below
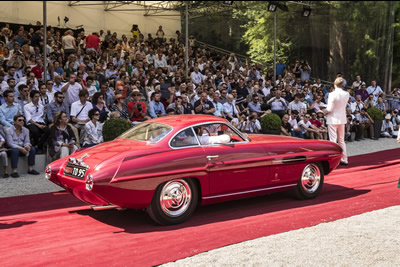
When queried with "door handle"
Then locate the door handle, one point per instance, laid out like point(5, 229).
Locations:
point(212, 157)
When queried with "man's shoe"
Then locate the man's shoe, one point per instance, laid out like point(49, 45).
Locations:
point(15, 175)
point(374, 138)
point(6, 175)
point(357, 139)
point(34, 172)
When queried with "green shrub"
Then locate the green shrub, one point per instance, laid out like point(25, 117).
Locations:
point(114, 128)
point(270, 122)
point(376, 114)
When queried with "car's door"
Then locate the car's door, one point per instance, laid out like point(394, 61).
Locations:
point(236, 166)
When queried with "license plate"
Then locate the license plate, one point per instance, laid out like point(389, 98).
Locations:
point(77, 172)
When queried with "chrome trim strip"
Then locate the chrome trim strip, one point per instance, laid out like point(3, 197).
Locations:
point(251, 191)
point(105, 207)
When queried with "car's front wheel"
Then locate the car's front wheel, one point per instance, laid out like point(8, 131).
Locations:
point(310, 182)
point(173, 202)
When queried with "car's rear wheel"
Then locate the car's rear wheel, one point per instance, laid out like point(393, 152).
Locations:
point(310, 182)
point(173, 202)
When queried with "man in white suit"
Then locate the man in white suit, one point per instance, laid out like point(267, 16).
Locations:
point(336, 116)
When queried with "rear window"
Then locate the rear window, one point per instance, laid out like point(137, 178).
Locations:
point(147, 132)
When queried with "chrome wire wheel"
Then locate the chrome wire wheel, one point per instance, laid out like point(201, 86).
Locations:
point(175, 198)
point(310, 178)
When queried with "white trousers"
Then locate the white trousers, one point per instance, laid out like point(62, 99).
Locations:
point(65, 151)
point(336, 135)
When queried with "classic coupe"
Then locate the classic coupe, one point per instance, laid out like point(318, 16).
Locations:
point(169, 165)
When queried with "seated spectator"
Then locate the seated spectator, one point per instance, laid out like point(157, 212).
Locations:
point(34, 114)
point(366, 124)
point(381, 105)
point(93, 130)
point(57, 105)
point(80, 110)
point(99, 104)
point(297, 104)
point(219, 109)
point(252, 124)
point(62, 141)
point(323, 131)
point(9, 109)
point(3, 155)
point(230, 109)
point(278, 104)
point(255, 106)
point(156, 108)
point(71, 90)
point(137, 109)
point(369, 102)
point(297, 132)
point(387, 128)
point(203, 105)
point(308, 130)
point(17, 139)
point(177, 107)
point(187, 106)
point(362, 92)
point(286, 128)
point(120, 107)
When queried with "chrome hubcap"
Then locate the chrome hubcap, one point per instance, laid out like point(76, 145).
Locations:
point(310, 178)
point(175, 198)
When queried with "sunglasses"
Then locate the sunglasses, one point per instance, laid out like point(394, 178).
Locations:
point(97, 114)
point(61, 97)
point(20, 120)
point(307, 117)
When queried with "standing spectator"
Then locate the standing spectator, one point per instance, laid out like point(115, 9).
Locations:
point(135, 31)
point(280, 67)
point(305, 72)
point(93, 130)
point(71, 89)
point(62, 141)
point(336, 118)
point(374, 89)
point(69, 43)
point(17, 139)
point(57, 105)
point(92, 43)
point(160, 34)
point(34, 114)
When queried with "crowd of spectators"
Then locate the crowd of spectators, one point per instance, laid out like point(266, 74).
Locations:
point(93, 78)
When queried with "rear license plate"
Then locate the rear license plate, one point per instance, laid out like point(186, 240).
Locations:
point(74, 171)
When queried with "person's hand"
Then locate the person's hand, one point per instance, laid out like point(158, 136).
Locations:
point(41, 126)
point(71, 145)
point(23, 150)
point(28, 148)
point(3, 149)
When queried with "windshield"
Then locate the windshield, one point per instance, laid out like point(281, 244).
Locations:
point(147, 132)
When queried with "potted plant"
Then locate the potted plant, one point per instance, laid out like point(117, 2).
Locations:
point(271, 124)
point(377, 116)
point(115, 127)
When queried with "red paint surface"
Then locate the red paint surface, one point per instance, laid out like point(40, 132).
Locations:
point(53, 229)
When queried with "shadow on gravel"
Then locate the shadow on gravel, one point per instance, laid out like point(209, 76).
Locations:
point(139, 222)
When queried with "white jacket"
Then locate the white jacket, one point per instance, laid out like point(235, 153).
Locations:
point(337, 103)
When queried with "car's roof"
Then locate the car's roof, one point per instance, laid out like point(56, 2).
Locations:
point(182, 121)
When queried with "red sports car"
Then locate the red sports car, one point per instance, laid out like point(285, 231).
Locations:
point(171, 164)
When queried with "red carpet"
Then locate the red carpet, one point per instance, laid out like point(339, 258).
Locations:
point(55, 229)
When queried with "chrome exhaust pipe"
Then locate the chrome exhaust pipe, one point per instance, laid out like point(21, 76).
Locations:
point(105, 207)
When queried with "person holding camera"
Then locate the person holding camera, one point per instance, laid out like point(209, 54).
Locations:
point(203, 105)
point(71, 89)
point(366, 124)
point(387, 128)
point(136, 108)
point(156, 107)
point(252, 124)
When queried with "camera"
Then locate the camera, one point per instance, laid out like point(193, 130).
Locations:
point(139, 107)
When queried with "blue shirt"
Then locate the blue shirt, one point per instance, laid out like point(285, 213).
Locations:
point(7, 114)
point(280, 68)
point(219, 108)
point(156, 108)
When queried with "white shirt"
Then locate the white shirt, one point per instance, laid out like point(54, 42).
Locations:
point(307, 125)
point(34, 113)
point(72, 93)
point(252, 126)
point(76, 108)
point(293, 122)
point(297, 106)
point(93, 134)
point(231, 109)
point(196, 77)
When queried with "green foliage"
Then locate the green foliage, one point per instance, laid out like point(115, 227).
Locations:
point(115, 127)
point(270, 122)
point(376, 114)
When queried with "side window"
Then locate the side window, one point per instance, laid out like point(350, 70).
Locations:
point(216, 133)
point(184, 139)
